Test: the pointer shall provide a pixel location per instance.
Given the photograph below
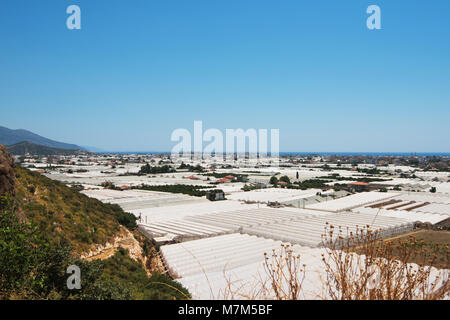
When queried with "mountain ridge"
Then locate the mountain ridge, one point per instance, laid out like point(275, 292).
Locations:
point(27, 147)
point(13, 136)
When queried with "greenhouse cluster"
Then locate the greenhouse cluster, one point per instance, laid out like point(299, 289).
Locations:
point(219, 247)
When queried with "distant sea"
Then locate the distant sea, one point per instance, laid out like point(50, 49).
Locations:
point(373, 154)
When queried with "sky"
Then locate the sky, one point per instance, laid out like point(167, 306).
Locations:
point(139, 69)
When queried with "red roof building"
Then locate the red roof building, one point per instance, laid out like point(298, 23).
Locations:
point(359, 183)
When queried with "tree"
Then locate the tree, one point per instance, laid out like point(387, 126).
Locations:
point(433, 189)
point(273, 180)
point(147, 169)
point(31, 267)
point(285, 179)
point(124, 218)
point(16, 251)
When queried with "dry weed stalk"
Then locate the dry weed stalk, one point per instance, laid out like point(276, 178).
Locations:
point(244, 290)
point(286, 274)
point(282, 279)
point(356, 266)
point(361, 266)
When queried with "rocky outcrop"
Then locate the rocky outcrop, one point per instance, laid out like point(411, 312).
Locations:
point(7, 179)
point(124, 239)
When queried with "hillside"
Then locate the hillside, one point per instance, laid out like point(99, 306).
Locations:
point(46, 226)
point(60, 212)
point(9, 137)
point(7, 179)
point(25, 147)
point(123, 270)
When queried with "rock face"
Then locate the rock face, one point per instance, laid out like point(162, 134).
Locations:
point(123, 239)
point(7, 179)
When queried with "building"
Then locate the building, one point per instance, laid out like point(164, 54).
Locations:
point(215, 195)
point(358, 186)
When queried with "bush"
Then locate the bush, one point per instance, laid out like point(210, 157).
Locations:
point(273, 180)
point(147, 169)
point(177, 188)
point(285, 179)
point(31, 189)
point(126, 219)
point(311, 184)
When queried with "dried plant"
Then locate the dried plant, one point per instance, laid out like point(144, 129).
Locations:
point(361, 266)
point(282, 278)
point(286, 273)
point(357, 265)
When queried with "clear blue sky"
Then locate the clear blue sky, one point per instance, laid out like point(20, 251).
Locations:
point(139, 69)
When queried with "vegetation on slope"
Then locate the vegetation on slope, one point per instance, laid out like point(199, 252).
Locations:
point(432, 245)
point(45, 228)
point(60, 212)
point(130, 274)
point(33, 267)
point(7, 179)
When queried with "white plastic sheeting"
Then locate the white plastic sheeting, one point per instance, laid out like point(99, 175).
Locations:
point(244, 282)
point(438, 208)
point(232, 267)
point(350, 202)
point(150, 215)
point(411, 216)
point(423, 207)
point(209, 267)
point(215, 254)
point(423, 197)
point(273, 194)
point(182, 229)
point(309, 231)
point(250, 217)
point(139, 199)
point(297, 226)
